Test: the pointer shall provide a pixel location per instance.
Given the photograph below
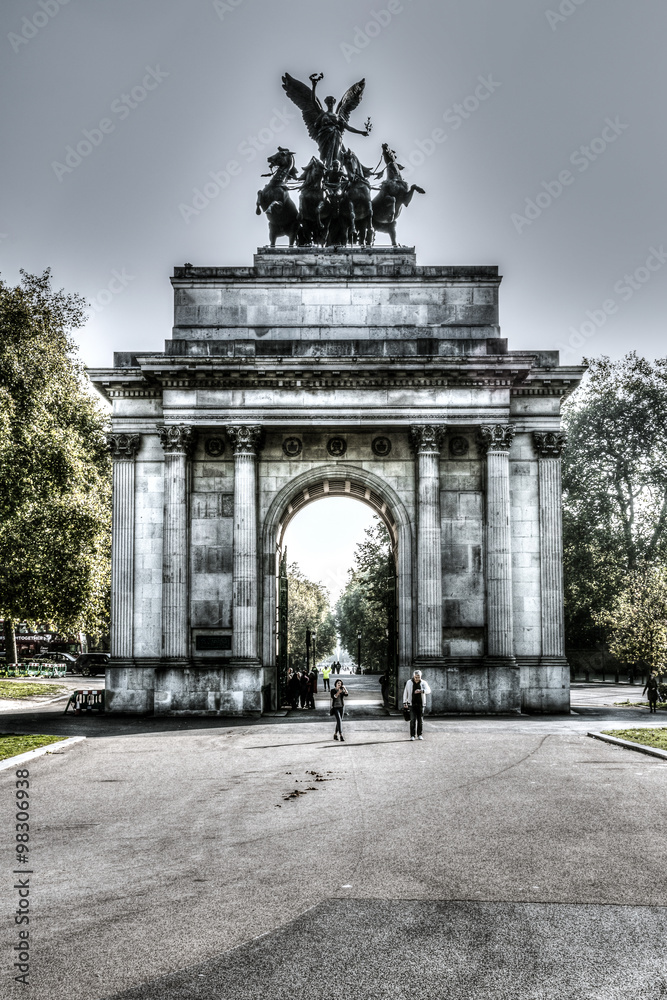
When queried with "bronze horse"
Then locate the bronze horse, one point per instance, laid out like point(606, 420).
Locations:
point(359, 193)
point(311, 204)
point(274, 199)
point(394, 194)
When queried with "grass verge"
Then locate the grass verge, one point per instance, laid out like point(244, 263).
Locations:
point(647, 737)
point(11, 745)
point(27, 689)
point(640, 704)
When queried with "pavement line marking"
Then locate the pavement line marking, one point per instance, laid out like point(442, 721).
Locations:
point(640, 747)
point(29, 754)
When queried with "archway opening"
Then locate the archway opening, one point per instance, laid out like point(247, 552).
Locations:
point(336, 599)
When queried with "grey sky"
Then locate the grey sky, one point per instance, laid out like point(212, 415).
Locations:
point(112, 224)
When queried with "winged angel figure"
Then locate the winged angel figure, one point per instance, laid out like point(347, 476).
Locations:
point(326, 127)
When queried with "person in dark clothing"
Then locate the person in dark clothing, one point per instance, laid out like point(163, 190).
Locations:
point(312, 688)
point(293, 690)
point(303, 689)
point(651, 688)
point(384, 687)
point(338, 696)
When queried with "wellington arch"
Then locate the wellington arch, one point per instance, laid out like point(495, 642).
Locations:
point(336, 371)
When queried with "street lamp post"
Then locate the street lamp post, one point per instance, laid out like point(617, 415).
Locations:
point(314, 635)
point(359, 651)
point(307, 650)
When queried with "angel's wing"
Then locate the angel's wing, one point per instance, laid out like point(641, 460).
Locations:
point(302, 96)
point(350, 100)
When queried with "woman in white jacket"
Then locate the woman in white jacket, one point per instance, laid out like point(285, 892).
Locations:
point(414, 698)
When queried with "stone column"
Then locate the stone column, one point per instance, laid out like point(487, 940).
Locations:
point(246, 441)
point(426, 441)
point(495, 441)
point(123, 448)
point(549, 446)
point(177, 441)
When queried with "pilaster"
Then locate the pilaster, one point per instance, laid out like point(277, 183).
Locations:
point(549, 446)
point(426, 441)
point(495, 441)
point(123, 448)
point(177, 441)
point(246, 442)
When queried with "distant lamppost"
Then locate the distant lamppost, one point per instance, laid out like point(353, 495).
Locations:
point(314, 635)
point(359, 651)
point(307, 650)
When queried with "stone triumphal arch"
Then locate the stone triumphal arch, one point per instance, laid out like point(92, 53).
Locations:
point(329, 371)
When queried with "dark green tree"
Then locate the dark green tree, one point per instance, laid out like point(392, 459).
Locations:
point(55, 476)
point(309, 608)
point(364, 604)
point(614, 486)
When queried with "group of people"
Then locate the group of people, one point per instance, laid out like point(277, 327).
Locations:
point(302, 688)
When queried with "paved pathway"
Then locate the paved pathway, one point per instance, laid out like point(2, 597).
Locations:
point(499, 858)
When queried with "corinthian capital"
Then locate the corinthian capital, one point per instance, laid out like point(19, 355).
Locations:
point(549, 444)
point(177, 438)
point(495, 437)
point(123, 446)
point(246, 439)
point(426, 437)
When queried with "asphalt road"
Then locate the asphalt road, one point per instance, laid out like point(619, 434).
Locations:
point(498, 858)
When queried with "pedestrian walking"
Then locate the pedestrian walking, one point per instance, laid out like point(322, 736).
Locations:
point(312, 687)
point(326, 675)
point(651, 688)
point(338, 696)
point(414, 698)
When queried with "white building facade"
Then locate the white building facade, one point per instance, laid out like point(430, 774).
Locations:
point(336, 372)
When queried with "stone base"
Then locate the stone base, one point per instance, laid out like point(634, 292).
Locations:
point(162, 688)
point(474, 687)
point(545, 685)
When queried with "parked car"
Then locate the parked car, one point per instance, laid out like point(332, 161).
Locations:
point(90, 664)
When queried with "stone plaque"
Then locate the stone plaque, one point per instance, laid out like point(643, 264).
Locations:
point(458, 447)
point(292, 447)
point(207, 506)
point(381, 447)
point(213, 642)
point(337, 447)
point(215, 447)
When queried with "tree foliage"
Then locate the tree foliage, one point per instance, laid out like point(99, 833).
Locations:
point(364, 604)
point(614, 486)
point(637, 620)
point(55, 475)
point(309, 608)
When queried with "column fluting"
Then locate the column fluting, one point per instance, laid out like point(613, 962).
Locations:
point(246, 441)
point(177, 441)
point(426, 441)
point(496, 440)
point(549, 446)
point(123, 448)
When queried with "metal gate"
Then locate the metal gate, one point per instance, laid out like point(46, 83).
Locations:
point(282, 657)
